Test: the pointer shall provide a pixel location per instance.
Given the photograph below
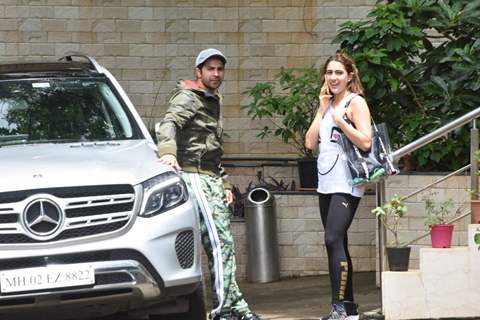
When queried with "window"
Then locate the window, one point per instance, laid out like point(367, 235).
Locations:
point(62, 110)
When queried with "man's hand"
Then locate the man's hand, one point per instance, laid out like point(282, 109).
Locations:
point(170, 160)
point(229, 195)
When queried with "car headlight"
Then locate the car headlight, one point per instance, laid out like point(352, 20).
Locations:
point(162, 193)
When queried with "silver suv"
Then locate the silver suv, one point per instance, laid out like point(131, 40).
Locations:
point(89, 219)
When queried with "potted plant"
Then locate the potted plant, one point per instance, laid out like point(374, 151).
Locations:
point(390, 214)
point(289, 108)
point(438, 215)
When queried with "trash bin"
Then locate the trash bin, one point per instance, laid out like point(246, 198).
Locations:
point(262, 244)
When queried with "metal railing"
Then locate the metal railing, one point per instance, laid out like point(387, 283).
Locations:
point(417, 144)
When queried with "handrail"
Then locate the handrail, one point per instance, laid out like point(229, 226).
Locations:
point(465, 168)
point(425, 234)
point(417, 144)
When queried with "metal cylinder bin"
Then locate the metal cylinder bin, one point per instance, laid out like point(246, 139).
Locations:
point(262, 244)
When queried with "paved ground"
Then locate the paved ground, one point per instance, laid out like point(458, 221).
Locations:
point(306, 297)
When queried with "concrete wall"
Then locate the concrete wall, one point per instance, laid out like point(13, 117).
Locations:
point(413, 225)
point(149, 44)
point(300, 232)
point(301, 237)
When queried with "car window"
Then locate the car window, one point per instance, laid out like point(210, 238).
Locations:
point(62, 110)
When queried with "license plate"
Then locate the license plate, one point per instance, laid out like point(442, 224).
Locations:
point(54, 276)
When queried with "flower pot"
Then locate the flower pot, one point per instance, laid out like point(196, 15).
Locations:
point(398, 258)
point(441, 235)
point(307, 172)
point(475, 206)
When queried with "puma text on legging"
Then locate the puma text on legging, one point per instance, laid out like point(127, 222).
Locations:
point(337, 211)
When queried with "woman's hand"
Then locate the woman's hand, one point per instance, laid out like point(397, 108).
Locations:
point(338, 114)
point(324, 98)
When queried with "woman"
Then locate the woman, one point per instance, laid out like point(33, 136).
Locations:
point(340, 99)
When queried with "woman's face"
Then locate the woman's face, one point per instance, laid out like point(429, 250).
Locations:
point(336, 77)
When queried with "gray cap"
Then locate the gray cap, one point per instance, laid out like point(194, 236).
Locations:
point(206, 54)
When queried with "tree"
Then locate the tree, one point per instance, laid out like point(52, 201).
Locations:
point(419, 61)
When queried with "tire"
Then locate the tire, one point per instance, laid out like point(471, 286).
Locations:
point(196, 306)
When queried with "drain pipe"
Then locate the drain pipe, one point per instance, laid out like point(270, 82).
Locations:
point(381, 233)
point(473, 163)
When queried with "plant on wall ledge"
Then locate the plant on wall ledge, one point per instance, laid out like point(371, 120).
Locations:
point(288, 108)
point(390, 214)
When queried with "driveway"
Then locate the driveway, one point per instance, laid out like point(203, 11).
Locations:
point(306, 297)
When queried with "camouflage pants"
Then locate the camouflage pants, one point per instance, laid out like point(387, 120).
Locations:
point(217, 241)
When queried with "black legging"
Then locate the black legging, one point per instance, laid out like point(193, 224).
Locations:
point(337, 211)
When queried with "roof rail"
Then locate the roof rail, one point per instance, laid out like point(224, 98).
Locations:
point(92, 61)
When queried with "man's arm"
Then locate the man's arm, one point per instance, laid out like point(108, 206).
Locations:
point(182, 107)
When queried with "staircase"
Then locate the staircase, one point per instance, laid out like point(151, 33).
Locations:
point(446, 285)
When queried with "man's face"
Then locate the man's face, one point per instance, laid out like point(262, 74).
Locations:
point(211, 75)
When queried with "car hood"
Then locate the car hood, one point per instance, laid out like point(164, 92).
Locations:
point(33, 166)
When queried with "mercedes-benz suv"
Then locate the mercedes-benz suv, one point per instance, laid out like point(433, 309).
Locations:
point(89, 219)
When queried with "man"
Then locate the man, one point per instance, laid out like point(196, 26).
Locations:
point(190, 140)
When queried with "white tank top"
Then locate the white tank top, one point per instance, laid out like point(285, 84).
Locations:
point(333, 173)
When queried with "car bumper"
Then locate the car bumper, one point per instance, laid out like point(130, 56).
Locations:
point(145, 261)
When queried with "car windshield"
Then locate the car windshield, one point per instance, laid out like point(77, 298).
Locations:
point(62, 110)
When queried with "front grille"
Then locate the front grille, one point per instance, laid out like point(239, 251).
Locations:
point(8, 218)
point(88, 211)
point(68, 234)
point(112, 278)
point(185, 249)
point(67, 192)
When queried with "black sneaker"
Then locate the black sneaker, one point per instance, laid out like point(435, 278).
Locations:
point(352, 310)
point(250, 316)
point(338, 312)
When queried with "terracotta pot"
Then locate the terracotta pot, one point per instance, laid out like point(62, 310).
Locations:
point(475, 206)
point(441, 235)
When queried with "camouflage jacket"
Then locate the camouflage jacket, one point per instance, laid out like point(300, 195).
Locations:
point(192, 130)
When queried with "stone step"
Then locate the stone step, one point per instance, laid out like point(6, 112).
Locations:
point(445, 286)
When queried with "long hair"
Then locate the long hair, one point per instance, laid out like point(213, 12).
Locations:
point(354, 85)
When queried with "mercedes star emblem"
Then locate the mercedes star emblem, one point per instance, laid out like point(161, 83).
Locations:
point(42, 217)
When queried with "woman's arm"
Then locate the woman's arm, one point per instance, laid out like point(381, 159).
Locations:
point(311, 137)
point(359, 114)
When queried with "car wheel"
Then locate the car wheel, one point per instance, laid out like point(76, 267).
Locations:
point(196, 306)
